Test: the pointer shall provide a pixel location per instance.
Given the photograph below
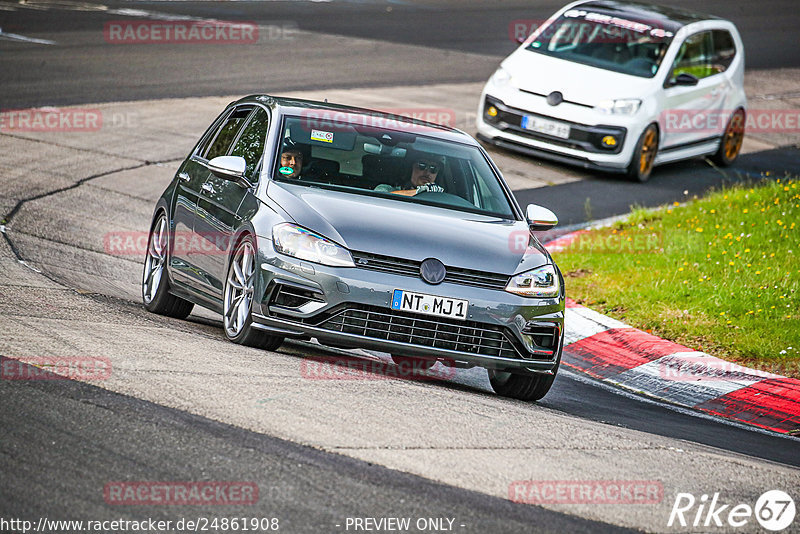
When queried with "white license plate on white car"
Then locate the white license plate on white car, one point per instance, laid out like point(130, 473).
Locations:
point(429, 304)
point(545, 126)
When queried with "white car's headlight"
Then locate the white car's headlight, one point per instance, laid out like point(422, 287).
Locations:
point(624, 106)
point(539, 282)
point(304, 244)
point(502, 77)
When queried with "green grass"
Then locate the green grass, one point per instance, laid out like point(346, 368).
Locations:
point(720, 274)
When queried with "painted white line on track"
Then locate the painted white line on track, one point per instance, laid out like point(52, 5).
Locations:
point(21, 38)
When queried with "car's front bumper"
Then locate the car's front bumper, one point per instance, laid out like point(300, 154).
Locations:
point(583, 147)
point(350, 307)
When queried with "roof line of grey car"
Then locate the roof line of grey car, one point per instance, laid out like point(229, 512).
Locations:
point(303, 103)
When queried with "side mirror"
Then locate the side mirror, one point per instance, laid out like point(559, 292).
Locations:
point(540, 218)
point(228, 167)
point(684, 78)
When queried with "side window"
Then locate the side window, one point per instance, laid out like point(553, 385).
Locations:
point(250, 144)
point(695, 57)
point(226, 133)
point(724, 49)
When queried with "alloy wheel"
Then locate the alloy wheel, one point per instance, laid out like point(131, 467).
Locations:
point(734, 135)
point(155, 260)
point(239, 289)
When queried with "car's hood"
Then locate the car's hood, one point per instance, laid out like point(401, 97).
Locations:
point(412, 231)
point(579, 83)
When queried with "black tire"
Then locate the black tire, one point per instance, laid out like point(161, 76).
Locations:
point(731, 143)
point(244, 333)
point(521, 387)
point(417, 364)
point(155, 293)
point(641, 166)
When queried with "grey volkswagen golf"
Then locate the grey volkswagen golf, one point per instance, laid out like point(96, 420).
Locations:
point(300, 219)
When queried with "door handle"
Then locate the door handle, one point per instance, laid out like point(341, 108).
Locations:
point(185, 177)
point(208, 188)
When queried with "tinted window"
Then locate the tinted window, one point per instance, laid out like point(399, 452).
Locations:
point(604, 41)
point(227, 133)
point(724, 49)
point(250, 144)
point(359, 154)
point(696, 57)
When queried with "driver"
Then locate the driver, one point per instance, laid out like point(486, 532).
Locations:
point(425, 168)
point(291, 162)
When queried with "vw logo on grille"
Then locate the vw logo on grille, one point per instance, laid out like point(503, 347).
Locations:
point(555, 98)
point(432, 271)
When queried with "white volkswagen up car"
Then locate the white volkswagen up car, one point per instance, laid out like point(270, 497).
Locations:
point(620, 87)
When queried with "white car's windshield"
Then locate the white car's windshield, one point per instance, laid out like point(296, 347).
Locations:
point(605, 41)
point(367, 155)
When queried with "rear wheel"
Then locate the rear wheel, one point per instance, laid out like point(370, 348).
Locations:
point(155, 282)
point(417, 364)
point(522, 387)
point(238, 300)
point(641, 165)
point(731, 143)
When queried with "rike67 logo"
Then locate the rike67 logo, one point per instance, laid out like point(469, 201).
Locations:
point(774, 510)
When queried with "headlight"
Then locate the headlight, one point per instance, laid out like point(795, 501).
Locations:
point(539, 282)
point(502, 77)
point(625, 106)
point(304, 244)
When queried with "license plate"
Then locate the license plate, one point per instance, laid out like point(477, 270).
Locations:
point(429, 304)
point(545, 126)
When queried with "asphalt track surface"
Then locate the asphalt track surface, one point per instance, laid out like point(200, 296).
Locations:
point(52, 431)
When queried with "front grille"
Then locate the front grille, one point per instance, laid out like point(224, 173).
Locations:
point(455, 275)
point(415, 329)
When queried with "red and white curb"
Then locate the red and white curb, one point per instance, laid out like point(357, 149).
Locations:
point(614, 352)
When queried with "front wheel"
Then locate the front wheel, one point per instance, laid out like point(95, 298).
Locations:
point(731, 143)
point(238, 300)
point(522, 387)
point(641, 165)
point(155, 283)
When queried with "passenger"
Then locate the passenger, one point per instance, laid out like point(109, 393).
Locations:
point(425, 168)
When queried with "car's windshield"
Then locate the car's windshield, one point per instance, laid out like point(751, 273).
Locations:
point(605, 41)
point(388, 158)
